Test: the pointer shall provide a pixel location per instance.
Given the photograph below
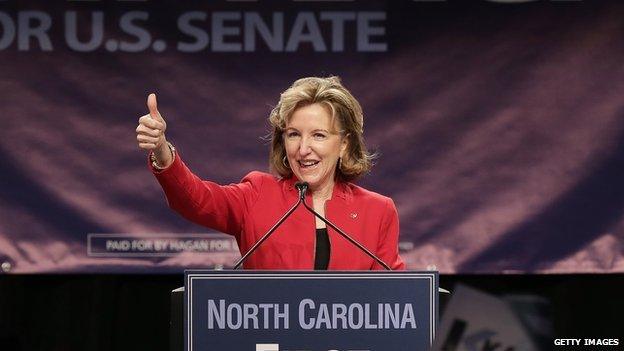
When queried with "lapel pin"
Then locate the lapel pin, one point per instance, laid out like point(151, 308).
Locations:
point(353, 215)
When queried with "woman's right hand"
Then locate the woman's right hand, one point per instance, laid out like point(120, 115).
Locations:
point(151, 133)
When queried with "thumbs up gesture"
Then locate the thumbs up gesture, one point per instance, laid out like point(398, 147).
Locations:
point(151, 133)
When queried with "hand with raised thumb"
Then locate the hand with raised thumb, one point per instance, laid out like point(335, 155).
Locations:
point(151, 132)
point(152, 105)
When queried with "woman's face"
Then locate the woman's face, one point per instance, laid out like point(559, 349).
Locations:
point(313, 146)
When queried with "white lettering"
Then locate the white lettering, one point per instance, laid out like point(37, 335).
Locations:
point(219, 31)
point(239, 31)
point(356, 316)
point(251, 314)
point(365, 30)
point(353, 314)
point(302, 307)
point(117, 245)
point(391, 315)
point(42, 23)
point(337, 20)
point(127, 24)
point(254, 24)
point(8, 31)
point(408, 317)
point(234, 316)
point(305, 29)
point(200, 36)
point(323, 318)
point(97, 32)
point(568, 342)
point(216, 314)
point(339, 313)
point(283, 315)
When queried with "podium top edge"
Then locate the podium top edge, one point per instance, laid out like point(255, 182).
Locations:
point(303, 272)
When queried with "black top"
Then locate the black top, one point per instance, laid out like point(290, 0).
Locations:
point(321, 258)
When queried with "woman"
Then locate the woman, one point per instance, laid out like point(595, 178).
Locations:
point(317, 138)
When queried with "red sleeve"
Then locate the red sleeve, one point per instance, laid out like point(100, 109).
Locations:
point(388, 246)
point(222, 208)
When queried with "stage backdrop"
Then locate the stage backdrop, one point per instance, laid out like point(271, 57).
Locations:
point(500, 124)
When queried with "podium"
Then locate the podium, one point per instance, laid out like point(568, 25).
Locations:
point(305, 310)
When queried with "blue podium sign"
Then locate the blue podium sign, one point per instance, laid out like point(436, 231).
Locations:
point(315, 311)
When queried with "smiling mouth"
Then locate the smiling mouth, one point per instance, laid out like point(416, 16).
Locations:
point(308, 164)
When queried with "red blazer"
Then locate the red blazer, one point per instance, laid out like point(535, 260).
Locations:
point(248, 209)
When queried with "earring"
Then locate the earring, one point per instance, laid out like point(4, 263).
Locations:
point(285, 162)
point(340, 164)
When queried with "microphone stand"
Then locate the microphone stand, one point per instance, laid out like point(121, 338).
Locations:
point(300, 187)
point(344, 235)
point(303, 189)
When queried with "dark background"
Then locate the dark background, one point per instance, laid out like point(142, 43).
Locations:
point(131, 312)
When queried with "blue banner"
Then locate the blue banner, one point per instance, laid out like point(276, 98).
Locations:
point(239, 310)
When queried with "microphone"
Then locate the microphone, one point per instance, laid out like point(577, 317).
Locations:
point(302, 187)
point(346, 236)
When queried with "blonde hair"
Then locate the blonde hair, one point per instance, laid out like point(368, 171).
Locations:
point(342, 105)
